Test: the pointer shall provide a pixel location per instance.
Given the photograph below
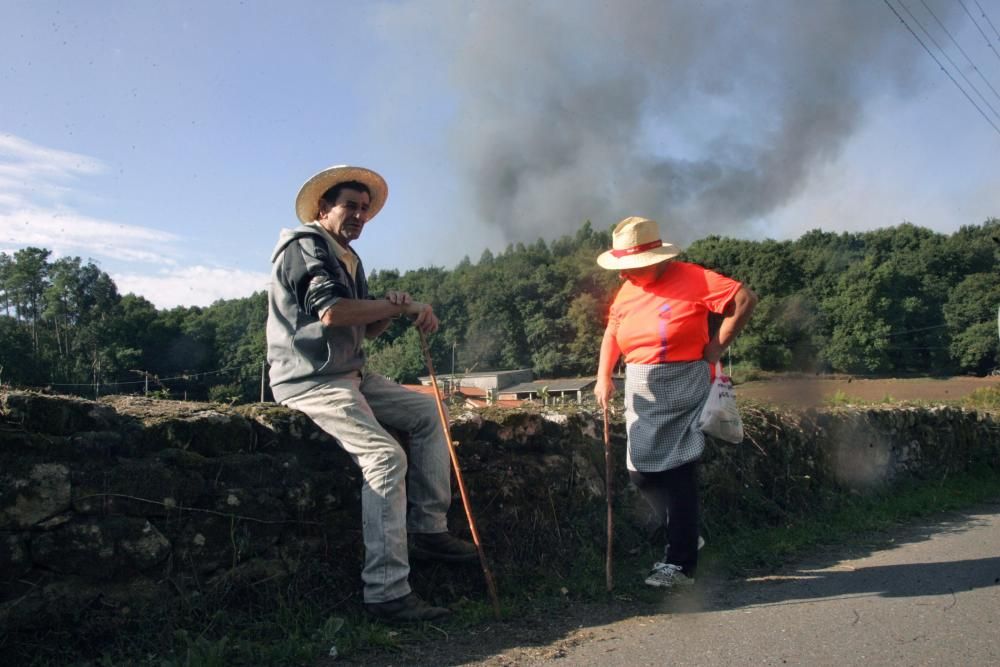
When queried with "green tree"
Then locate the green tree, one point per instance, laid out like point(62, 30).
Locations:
point(971, 314)
point(858, 340)
point(18, 365)
point(239, 339)
point(896, 300)
point(586, 315)
point(401, 360)
point(6, 267)
point(26, 280)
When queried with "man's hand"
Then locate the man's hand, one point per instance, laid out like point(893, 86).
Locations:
point(398, 298)
point(376, 328)
point(423, 316)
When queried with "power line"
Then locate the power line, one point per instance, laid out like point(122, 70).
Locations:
point(981, 32)
point(900, 347)
point(959, 47)
point(186, 376)
point(945, 54)
point(900, 333)
point(983, 12)
point(947, 73)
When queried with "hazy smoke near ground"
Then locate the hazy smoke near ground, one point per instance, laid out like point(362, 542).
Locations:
point(701, 114)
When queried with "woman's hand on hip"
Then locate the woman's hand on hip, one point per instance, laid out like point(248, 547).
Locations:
point(713, 352)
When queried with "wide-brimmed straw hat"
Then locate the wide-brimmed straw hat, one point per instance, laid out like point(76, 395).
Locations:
point(636, 243)
point(307, 203)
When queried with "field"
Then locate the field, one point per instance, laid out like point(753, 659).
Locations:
point(816, 391)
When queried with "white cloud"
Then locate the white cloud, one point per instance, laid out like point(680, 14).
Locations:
point(29, 172)
point(35, 184)
point(67, 232)
point(35, 181)
point(21, 157)
point(192, 285)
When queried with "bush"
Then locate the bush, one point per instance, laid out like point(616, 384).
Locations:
point(225, 393)
point(744, 371)
point(984, 398)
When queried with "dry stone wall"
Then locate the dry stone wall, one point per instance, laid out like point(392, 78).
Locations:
point(131, 501)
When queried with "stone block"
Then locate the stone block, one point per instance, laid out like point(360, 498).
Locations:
point(57, 415)
point(15, 557)
point(206, 432)
point(83, 547)
point(144, 545)
point(236, 525)
point(146, 487)
point(33, 493)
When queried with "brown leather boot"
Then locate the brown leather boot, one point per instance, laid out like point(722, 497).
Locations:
point(408, 609)
point(442, 546)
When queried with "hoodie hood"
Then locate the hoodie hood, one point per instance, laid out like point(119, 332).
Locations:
point(286, 236)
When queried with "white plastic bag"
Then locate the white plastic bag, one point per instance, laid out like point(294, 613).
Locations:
point(720, 418)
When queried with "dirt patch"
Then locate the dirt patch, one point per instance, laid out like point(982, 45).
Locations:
point(805, 392)
point(528, 639)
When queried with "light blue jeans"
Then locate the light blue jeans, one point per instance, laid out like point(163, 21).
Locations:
point(349, 408)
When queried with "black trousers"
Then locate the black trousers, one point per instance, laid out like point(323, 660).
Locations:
point(673, 495)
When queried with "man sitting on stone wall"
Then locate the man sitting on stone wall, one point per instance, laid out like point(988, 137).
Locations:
point(319, 313)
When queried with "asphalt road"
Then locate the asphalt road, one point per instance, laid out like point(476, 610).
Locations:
point(933, 598)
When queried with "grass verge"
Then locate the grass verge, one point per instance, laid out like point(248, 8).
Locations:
point(984, 399)
point(855, 520)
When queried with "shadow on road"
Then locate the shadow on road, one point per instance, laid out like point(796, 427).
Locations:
point(903, 580)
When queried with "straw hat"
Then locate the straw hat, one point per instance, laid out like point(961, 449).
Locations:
point(307, 203)
point(636, 243)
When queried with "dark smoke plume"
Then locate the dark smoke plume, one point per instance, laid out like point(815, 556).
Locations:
point(704, 115)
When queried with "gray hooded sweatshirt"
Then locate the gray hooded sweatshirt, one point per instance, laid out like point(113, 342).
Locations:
point(306, 279)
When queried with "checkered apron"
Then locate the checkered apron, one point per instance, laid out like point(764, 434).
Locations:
point(662, 405)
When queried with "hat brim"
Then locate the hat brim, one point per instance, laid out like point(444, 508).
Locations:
point(307, 202)
point(606, 260)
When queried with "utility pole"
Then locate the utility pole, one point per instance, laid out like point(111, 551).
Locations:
point(145, 376)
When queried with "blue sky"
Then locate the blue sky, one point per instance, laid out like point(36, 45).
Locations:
point(166, 141)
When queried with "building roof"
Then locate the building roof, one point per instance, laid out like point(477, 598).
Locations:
point(421, 388)
point(474, 396)
point(469, 392)
point(480, 374)
point(499, 403)
point(552, 386)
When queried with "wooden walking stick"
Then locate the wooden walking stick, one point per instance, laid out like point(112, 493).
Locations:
point(490, 585)
point(609, 492)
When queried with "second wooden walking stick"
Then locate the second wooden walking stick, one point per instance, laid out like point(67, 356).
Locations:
point(490, 585)
point(609, 492)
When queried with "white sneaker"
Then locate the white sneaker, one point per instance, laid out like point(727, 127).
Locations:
point(668, 575)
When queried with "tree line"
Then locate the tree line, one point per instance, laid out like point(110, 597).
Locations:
point(896, 301)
